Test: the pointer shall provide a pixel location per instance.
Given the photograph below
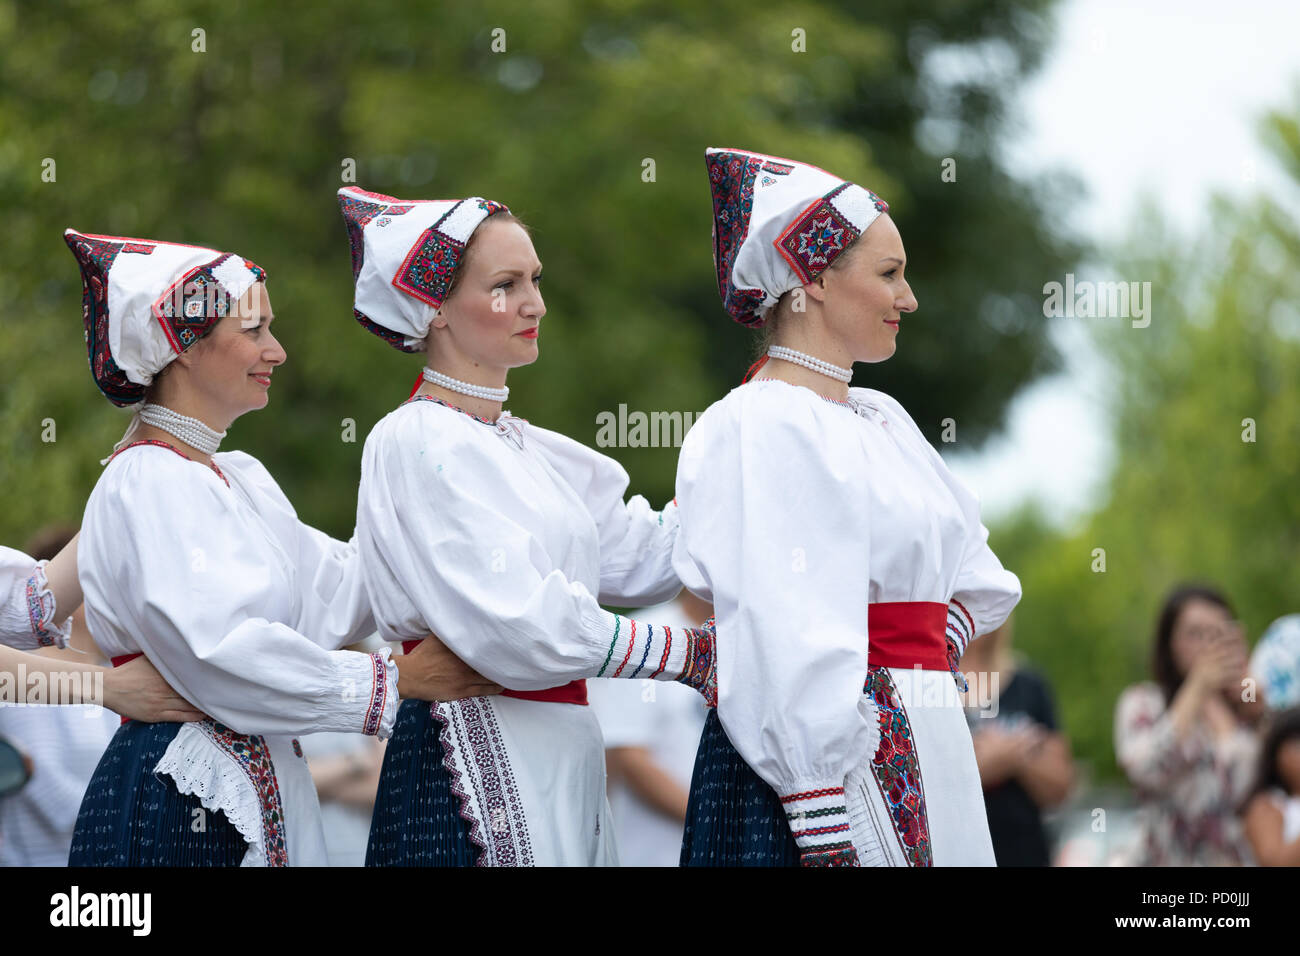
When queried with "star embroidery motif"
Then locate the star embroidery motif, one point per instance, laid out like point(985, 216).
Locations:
point(822, 239)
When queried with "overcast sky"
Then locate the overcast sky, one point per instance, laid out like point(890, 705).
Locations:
point(1161, 98)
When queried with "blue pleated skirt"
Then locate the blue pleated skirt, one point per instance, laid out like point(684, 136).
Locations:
point(733, 818)
point(131, 817)
point(417, 819)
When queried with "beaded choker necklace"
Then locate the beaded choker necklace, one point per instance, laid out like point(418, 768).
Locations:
point(465, 388)
point(189, 430)
point(844, 375)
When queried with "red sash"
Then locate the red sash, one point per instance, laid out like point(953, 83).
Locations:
point(907, 634)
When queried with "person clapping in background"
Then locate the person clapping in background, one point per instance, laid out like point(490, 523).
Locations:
point(1187, 741)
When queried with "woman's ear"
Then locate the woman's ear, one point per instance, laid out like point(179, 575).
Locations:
point(816, 290)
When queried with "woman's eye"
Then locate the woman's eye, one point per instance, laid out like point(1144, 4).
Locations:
point(891, 272)
point(537, 280)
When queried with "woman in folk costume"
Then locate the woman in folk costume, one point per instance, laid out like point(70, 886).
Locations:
point(197, 560)
point(505, 537)
point(847, 566)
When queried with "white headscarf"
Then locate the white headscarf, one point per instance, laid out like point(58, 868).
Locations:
point(777, 225)
point(404, 256)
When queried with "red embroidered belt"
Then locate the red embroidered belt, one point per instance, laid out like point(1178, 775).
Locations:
point(908, 634)
point(119, 661)
point(574, 692)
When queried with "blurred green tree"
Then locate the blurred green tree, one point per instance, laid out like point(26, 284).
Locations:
point(231, 124)
point(1206, 410)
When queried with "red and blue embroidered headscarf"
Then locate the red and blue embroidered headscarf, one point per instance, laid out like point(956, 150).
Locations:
point(144, 302)
point(405, 253)
point(777, 225)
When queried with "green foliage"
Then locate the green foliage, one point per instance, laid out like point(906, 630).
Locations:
point(1189, 498)
point(241, 147)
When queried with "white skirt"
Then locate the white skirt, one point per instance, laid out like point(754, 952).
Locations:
point(530, 778)
point(932, 812)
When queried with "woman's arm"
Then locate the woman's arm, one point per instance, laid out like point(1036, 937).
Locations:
point(37, 598)
point(442, 550)
point(1153, 744)
point(135, 690)
point(1047, 772)
point(656, 788)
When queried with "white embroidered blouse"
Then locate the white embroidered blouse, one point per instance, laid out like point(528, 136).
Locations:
point(239, 605)
point(797, 514)
point(504, 539)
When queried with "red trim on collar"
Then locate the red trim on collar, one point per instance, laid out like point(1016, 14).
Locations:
point(163, 444)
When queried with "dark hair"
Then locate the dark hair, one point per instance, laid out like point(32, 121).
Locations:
point(502, 215)
point(1162, 658)
point(1283, 725)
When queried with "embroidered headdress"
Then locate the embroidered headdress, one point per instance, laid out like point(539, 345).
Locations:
point(777, 225)
point(404, 256)
point(144, 302)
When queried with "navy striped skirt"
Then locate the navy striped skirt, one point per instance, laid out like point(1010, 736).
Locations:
point(131, 817)
point(733, 818)
point(417, 819)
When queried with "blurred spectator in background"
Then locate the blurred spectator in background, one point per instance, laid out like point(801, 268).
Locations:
point(1187, 740)
point(64, 745)
point(652, 730)
point(1024, 761)
point(345, 769)
point(1275, 663)
point(1272, 811)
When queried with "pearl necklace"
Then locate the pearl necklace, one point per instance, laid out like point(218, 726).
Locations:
point(189, 430)
point(844, 375)
point(465, 388)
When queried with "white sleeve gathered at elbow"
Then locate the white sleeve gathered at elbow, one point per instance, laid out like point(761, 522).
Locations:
point(636, 541)
point(442, 553)
point(199, 597)
point(29, 616)
point(775, 519)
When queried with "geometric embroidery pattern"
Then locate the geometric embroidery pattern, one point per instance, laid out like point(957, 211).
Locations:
point(356, 214)
point(427, 271)
point(470, 728)
point(196, 303)
point(731, 180)
point(95, 257)
point(897, 770)
point(813, 240)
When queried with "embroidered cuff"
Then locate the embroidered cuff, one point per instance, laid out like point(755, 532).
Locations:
point(819, 820)
point(638, 649)
point(27, 619)
point(961, 626)
point(381, 711)
point(701, 670)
